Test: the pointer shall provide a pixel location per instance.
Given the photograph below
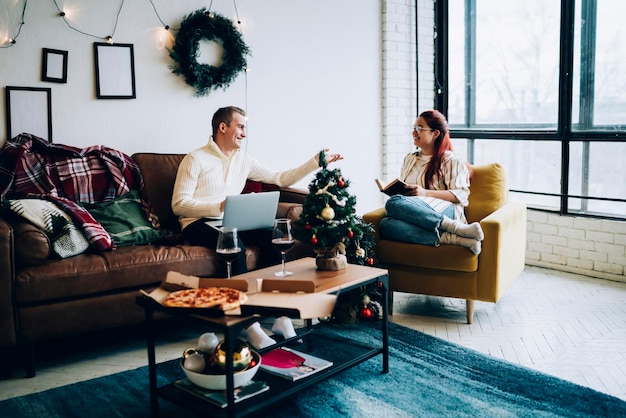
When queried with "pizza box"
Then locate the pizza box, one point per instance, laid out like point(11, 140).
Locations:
point(271, 297)
point(298, 305)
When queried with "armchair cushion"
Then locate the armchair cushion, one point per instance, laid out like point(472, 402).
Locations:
point(444, 257)
point(488, 191)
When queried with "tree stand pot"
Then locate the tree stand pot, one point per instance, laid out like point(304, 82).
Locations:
point(331, 258)
point(331, 263)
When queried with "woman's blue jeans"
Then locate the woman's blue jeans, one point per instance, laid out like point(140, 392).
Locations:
point(409, 219)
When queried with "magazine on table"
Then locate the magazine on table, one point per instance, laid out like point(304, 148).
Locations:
point(218, 397)
point(291, 364)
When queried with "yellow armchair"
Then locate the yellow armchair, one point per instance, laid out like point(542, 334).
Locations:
point(454, 271)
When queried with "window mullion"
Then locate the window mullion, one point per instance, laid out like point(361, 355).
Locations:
point(566, 67)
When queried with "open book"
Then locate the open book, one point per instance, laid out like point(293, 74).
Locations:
point(397, 186)
point(394, 187)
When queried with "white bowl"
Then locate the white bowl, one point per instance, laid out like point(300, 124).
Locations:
point(218, 381)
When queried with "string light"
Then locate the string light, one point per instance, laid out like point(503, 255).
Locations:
point(109, 38)
point(12, 41)
point(63, 14)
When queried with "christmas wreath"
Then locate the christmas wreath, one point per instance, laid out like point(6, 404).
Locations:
point(204, 25)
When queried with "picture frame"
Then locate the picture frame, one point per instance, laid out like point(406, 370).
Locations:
point(54, 65)
point(115, 71)
point(28, 109)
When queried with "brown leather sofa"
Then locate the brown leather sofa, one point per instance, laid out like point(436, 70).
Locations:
point(44, 298)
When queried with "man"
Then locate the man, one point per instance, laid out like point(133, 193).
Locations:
point(208, 174)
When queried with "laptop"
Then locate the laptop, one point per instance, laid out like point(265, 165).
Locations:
point(249, 211)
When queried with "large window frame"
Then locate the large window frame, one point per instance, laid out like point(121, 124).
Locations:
point(565, 133)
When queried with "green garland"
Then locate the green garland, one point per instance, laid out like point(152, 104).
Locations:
point(201, 25)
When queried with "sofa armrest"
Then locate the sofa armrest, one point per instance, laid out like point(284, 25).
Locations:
point(504, 250)
point(374, 217)
point(7, 277)
point(293, 195)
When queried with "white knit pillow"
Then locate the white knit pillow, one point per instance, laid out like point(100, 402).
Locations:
point(67, 240)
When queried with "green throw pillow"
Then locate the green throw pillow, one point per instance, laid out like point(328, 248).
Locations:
point(124, 220)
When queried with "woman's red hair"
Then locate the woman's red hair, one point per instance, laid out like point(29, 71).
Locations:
point(436, 121)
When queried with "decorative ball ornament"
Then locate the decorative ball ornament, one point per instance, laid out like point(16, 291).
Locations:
point(366, 300)
point(193, 360)
point(350, 233)
point(366, 313)
point(370, 261)
point(360, 252)
point(328, 213)
point(207, 343)
point(242, 355)
point(340, 182)
point(314, 240)
point(202, 25)
point(308, 226)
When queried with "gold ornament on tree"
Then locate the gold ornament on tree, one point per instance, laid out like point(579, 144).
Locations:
point(328, 213)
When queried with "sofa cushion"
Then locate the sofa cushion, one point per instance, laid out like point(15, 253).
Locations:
point(67, 240)
point(444, 257)
point(159, 174)
point(488, 191)
point(32, 246)
point(131, 267)
point(124, 219)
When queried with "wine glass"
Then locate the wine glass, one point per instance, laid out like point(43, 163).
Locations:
point(283, 241)
point(228, 246)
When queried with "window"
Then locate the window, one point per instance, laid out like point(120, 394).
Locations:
point(538, 86)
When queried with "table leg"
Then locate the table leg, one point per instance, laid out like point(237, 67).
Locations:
point(152, 376)
point(385, 326)
point(229, 342)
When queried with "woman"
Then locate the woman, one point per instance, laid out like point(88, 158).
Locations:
point(431, 211)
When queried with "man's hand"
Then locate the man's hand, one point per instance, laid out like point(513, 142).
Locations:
point(330, 158)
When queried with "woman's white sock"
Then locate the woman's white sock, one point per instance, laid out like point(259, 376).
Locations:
point(454, 226)
point(472, 244)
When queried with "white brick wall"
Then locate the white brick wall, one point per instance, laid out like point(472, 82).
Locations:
point(593, 247)
point(401, 86)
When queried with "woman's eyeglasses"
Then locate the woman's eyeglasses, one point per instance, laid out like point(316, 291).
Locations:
point(421, 128)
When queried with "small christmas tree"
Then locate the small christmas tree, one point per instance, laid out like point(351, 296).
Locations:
point(328, 217)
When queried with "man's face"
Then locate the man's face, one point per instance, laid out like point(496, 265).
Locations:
point(235, 132)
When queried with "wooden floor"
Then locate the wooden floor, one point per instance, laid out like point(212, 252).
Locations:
point(569, 326)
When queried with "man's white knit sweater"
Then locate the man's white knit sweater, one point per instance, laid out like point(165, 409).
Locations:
point(206, 176)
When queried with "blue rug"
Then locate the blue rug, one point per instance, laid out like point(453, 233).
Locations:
point(428, 377)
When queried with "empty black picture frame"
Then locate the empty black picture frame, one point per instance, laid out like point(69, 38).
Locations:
point(54, 65)
point(115, 71)
point(29, 109)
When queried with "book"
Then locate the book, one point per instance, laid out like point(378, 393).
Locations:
point(218, 397)
point(397, 186)
point(394, 187)
point(291, 364)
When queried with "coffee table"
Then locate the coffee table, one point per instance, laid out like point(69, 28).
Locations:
point(330, 282)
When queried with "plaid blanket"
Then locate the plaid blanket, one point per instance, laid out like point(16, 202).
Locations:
point(33, 167)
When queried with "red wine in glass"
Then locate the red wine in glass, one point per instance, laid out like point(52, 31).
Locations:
point(282, 245)
point(229, 254)
point(228, 248)
point(283, 241)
